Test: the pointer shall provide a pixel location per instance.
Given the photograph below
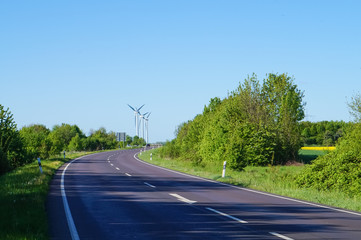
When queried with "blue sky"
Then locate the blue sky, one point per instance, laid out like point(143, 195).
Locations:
point(82, 62)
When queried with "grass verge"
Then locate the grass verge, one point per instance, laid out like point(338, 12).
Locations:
point(23, 194)
point(273, 179)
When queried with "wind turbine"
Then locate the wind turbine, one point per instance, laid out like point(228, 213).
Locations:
point(136, 117)
point(146, 127)
point(142, 116)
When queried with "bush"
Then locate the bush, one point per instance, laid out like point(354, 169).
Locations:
point(339, 170)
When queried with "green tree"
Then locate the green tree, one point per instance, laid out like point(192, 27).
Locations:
point(61, 136)
point(100, 140)
point(76, 143)
point(285, 105)
point(355, 107)
point(137, 141)
point(257, 124)
point(128, 140)
point(12, 153)
point(36, 141)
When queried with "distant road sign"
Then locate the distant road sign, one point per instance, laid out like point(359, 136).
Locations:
point(121, 136)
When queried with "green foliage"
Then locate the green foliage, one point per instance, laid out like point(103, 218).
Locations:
point(137, 141)
point(171, 150)
point(257, 124)
point(23, 195)
point(76, 143)
point(324, 133)
point(12, 153)
point(61, 136)
point(36, 141)
point(100, 140)
point(340, 169)
point(355, 107)
point(274, 179)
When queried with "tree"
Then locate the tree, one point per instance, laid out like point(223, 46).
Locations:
point(355, 107)
point(7, 129)
point(257, 124)
point(61, 136)
point(137, 141)
point(76, 143)
point(128, 140)
point(100, 139)
point(285, 105)
point(12, 152)
point(36, 140)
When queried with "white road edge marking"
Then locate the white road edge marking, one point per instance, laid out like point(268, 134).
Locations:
point(183, 199)
point(280, 236)
point(149, 185)
point(69, 218)
point(251, 190)
point(128, 174)
point(226, 215)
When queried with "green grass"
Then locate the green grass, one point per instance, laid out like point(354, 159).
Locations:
point(307, 156)
point(273, 179)
point(23, 194)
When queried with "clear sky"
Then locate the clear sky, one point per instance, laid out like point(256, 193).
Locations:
point(82, 62)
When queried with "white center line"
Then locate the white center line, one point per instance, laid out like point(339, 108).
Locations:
point(111, 164)
point(150, 185)
point(226, 215)
point(117, 168)
point(128, 174)
point(280, 236)
point(183, 199)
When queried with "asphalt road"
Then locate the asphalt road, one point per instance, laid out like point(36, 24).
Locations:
point(112, 195)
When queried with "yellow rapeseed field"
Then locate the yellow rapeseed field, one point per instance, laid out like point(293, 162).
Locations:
point(319, 148)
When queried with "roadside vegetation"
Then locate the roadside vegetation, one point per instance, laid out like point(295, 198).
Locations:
point(23, 194)
point(23, 189)
point(256, 125)
point(258, 130)
point(281, 180)
point(20, 147)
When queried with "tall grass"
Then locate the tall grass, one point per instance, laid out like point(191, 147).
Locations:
point(273, 179)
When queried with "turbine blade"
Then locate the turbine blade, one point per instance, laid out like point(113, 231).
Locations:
point(140, 107)
point(131, 107)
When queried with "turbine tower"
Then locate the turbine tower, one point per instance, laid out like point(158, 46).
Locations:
point(136, 118)
point(146, 119)
point(142, 122)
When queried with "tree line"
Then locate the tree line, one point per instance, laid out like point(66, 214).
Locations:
point(19, 147)
point(257, 124)
point(324, 133)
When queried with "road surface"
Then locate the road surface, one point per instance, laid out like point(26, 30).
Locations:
point(114, 195)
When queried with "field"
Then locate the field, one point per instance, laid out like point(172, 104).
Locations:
point(273, 179)
point(307, 155)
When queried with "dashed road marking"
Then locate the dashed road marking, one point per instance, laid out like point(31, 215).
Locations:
point(183, 199)
point(281, 236)
point(117, 168)
point(128, 174)
point(149, 185)
point(226, 215)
